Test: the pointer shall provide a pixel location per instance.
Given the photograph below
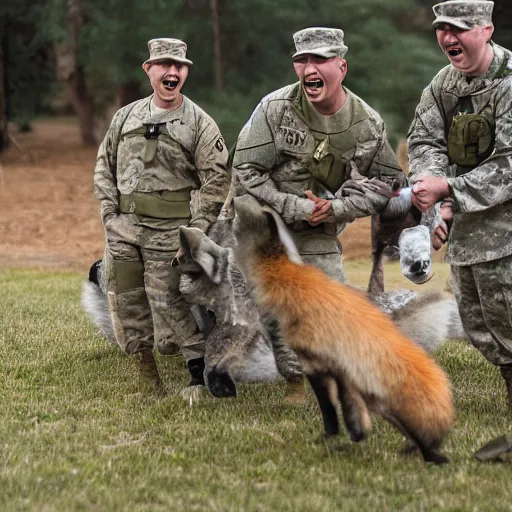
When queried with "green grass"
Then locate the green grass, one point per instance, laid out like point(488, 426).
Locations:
point(78, 431)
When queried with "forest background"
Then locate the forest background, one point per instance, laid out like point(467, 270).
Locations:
point(83, 57)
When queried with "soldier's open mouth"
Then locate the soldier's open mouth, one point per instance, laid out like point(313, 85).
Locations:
point(170, 85)
point(314, 84)
point(453, 52)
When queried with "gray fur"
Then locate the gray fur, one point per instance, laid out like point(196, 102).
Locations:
point(415, 248)
point(94, 302)
point(246, 343)
point(243, 343)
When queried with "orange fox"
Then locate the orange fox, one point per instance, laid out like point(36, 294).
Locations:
point(350, 351)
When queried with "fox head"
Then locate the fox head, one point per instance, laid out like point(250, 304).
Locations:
point(206, 269)
point(260, 232)
point(415, 247)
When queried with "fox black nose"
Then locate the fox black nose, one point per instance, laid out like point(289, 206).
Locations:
point(419, 266)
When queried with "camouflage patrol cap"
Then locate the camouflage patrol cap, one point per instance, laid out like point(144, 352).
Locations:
point(167, 49)
point(463, 14)
point(325, 42)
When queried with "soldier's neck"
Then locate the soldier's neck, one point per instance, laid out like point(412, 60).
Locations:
point(173, 104)
point(483, 64)
point(330, 106)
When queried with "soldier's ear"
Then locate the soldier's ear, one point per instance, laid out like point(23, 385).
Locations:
point(199, 249)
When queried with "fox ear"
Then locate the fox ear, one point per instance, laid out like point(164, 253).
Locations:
point(213, 260)
point(279, 230)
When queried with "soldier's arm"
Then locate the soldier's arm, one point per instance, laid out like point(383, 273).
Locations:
point(426, 140)
point(211, 157)
point(376, 160)
point(254, 158)
point(105, 183)
point(490, 183)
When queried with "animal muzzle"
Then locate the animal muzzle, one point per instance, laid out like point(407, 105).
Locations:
point(416, 254)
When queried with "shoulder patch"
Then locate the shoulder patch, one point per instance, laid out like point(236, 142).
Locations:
point(220, 144)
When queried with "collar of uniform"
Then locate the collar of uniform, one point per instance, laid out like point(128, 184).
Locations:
point(158, 115)
point(334, 123)
point(161, 115)
point(460, 85)
point(497, 61)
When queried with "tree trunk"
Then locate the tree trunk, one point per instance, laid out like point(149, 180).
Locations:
point(217, 48)
point(4, 135)
point(127, 93)
point(72, 74)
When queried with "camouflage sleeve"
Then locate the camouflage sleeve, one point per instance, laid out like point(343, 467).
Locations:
point(426, 140)
point(105, 187)
point(385, 165)
point(373, 159)
point(490, 183)
point(253, 161)
point(211, 158)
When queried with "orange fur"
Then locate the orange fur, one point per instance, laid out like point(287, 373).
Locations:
point(346, 335)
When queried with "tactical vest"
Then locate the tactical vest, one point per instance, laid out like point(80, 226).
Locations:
point(328, 163)
point(159, 204)
point(472, 135)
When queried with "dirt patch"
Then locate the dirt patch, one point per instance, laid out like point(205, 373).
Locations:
point(49, 216)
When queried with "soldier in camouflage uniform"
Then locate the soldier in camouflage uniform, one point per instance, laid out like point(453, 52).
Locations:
point(304, 141)
point(460, 148)
point(162, 165)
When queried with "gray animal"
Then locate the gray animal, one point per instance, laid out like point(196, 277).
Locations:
point(244, 345)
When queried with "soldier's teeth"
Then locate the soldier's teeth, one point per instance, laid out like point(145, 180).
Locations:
point(314, 84)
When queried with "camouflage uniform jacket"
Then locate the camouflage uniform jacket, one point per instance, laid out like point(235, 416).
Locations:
point(483, 197)
point(286, 148)
point(191, 154)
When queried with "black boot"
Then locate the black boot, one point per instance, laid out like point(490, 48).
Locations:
point(196, 370)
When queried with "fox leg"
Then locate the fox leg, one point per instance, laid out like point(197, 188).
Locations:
point(430, 451)
point(320, 384)
point(355, 412)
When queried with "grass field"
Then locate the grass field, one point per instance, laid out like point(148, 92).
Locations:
point(78, 432)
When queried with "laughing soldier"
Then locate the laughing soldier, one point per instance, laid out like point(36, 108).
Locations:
point(304, 141)
point(460, 147)
point(162, 164)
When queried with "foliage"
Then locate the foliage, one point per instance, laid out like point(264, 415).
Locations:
point(78, 431)
point(392, 50)
point(29, 71)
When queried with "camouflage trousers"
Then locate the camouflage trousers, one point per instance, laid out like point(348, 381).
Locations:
point(484, 296)
point(322, 251)
point(146, 305)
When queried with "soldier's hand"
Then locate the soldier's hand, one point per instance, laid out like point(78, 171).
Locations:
point(429, 190)
point(442, 230)
point(322, 211)
point(440, 235)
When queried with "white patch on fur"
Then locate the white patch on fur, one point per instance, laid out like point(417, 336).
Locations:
point(285, 237)
point(95, 306)
point(398, 205)
point(259, 365)
point(433, 324)
point(416, 249)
